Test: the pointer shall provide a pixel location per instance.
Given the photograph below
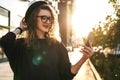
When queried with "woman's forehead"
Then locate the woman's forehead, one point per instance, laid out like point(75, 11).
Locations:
point(44, 12)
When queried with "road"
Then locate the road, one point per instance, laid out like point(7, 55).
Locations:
point(5, 71)
point(86, 72)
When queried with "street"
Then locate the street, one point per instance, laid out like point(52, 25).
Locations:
point(87, 71)
point(5, 71)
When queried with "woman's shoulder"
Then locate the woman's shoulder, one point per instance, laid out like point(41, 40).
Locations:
point(20, 40)
point(57, 43)
point(54, 41)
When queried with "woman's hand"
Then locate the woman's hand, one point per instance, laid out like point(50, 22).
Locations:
point(23, 25)
point(21, 28)
point(87, 51)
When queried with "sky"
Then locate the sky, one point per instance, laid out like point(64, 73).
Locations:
point(88, 13)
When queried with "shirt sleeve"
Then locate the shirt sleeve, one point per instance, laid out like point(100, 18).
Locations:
point(64, 64)
point(7, 43)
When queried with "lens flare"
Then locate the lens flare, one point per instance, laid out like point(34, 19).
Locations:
point(37, 59)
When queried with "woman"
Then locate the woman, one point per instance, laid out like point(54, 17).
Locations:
point(40, 55)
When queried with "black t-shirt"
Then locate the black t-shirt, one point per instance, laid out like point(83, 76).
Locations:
point(47, 62)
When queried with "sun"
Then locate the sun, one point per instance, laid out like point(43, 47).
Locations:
point(88, 13)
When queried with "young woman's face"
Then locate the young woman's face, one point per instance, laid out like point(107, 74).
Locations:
point(44, 20)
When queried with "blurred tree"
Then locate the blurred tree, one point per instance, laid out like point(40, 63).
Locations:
point(108, 35)
point(98, 36)
point(116, 5)
point(104, 33)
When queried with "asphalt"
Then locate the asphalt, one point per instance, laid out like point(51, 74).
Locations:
point(5, 71)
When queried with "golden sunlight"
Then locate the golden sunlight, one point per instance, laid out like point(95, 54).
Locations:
point(88, 13)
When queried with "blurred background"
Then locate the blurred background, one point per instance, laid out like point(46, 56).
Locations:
point(76, 19)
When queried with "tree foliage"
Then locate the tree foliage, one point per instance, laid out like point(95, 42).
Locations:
point(116, 6)
point(104, 34)
point(107, 34)
point(107, 67)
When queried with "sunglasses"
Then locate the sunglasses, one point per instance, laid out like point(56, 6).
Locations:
point(44, 19)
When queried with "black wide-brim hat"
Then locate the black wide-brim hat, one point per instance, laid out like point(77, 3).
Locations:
point(32, 7)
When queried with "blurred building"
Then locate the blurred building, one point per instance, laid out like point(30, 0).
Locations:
point(4, 20)
point(66, 8)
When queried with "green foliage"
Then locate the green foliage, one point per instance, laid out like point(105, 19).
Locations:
point(113, 1)
point(111, 28)
point(117, 32)
point(108, 34)
point(108, 67)
point(116, 6)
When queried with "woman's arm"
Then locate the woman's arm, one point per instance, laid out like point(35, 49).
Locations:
point(87, 53)
point(64, 63)
point(7, 41)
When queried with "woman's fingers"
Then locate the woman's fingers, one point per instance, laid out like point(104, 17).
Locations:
point(87, 51)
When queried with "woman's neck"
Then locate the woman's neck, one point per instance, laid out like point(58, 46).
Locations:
point(40, 35)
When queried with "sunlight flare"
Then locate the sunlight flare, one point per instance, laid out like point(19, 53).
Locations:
point(88, 13)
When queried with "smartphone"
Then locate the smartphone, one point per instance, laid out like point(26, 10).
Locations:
point(89, 38)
